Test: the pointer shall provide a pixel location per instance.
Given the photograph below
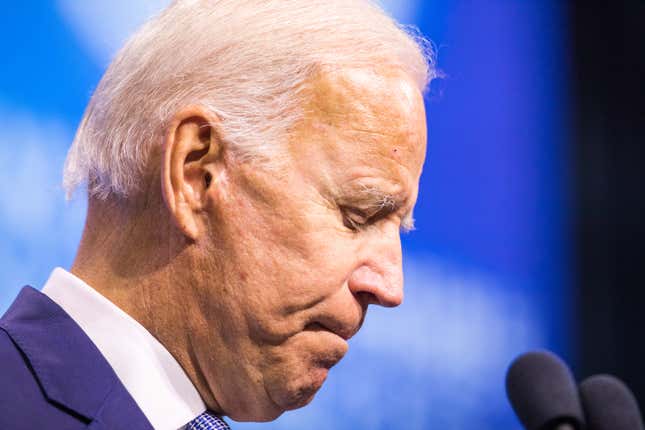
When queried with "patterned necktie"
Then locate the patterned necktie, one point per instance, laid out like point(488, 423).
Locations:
point(206, 421)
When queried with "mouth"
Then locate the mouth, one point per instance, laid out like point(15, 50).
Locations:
point(328, 353)
point(344, 333)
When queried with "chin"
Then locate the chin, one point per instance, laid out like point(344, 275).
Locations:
point(285, 388)
point(299, 367)
point(298, 392)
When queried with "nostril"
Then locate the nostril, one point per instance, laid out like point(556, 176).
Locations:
point(365, 299)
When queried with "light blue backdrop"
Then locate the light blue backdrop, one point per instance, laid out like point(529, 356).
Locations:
point(485, 271)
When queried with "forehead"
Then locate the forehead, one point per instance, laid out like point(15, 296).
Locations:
point(362, 123)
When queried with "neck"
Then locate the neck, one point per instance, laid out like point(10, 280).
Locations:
point(131, 254)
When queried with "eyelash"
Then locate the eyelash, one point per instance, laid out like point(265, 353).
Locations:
point(351, 223)
point(357, 226)
point(366, 220)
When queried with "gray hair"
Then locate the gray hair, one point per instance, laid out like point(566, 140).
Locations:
point(245, 61)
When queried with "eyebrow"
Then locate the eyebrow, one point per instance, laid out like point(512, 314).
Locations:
point(380, 201)
point(407, 222)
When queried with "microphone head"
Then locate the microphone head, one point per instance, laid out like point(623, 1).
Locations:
point(609, 404)
point(542, 391)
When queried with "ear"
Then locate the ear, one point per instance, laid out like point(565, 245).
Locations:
point(191, 159)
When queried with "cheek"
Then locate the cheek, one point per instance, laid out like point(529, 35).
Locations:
point(295, 256)
point(281, 287)
point(281, 264)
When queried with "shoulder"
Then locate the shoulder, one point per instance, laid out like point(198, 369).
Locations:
point(22, 401)
point(13, 367)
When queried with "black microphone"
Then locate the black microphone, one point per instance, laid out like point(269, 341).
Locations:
point(609, 404)
point(543, 393)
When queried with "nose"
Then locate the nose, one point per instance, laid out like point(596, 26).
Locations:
point(380, 276)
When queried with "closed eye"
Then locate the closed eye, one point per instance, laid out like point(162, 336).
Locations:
point(354, 219)
point(357, 219)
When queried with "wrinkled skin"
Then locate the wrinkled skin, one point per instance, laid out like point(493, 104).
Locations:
point(280, 269)
point(301, 277)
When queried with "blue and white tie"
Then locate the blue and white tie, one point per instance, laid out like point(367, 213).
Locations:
point(206, 421)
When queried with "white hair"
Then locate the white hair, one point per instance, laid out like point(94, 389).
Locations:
point(244, 60)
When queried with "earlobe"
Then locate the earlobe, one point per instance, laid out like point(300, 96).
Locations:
point(191, 155)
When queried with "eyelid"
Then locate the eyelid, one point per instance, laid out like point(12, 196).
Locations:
point(350, 221)
point(365, 219)
point(365, 201)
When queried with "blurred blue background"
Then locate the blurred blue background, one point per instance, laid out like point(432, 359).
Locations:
point(486, 269)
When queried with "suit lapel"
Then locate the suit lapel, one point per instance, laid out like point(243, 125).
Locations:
point(68, 366)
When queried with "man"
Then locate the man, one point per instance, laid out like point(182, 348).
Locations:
point(249, 165)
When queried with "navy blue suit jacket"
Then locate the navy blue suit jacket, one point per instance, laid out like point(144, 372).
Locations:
point(53, 377)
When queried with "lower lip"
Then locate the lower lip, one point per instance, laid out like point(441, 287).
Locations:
point(328, 349)
point(315, 327)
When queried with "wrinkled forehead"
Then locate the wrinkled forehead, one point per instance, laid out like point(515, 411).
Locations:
point(365, 115)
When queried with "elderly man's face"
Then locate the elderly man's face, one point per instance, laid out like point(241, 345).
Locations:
point(293, 260)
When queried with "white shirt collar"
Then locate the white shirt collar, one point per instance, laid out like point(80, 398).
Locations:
point(151, 375)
